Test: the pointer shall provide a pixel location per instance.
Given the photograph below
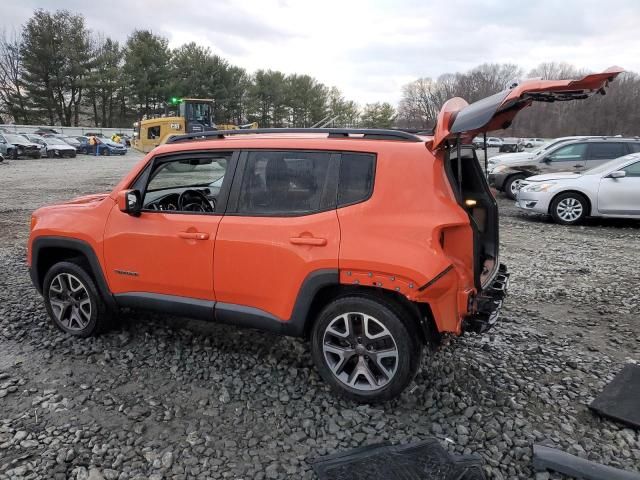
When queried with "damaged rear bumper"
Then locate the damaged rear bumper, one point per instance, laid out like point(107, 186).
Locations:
point(487, 304)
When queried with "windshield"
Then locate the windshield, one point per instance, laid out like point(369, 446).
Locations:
point(198, 112)
point(16, 138)
point(55, 141)
point(611, 164)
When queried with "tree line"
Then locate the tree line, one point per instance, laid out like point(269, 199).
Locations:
point(616, 113)
point(55, 71)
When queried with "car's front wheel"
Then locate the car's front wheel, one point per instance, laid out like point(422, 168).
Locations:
point(364, 350)
point(512, 185)
point(72, 300)
point(569, 208)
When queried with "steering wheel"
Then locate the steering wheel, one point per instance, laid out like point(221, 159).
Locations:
point(194, 201)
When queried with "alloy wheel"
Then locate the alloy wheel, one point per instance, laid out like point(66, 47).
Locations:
point(515, 186)
point(569, 209)
point(70, 301)
point(360, 351)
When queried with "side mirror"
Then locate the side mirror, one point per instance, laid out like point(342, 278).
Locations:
point(547, 159)
point(130, 201)
point(617, 174)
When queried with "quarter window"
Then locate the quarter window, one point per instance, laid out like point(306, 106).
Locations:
point(606, 150)
point(286, 183)
point(356, 178)
point(633, 170)
point(569, 153)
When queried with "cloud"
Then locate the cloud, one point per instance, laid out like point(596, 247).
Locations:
point(369, 49)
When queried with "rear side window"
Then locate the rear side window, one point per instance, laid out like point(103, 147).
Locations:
point(286, 183)
point(606, 150)
point(357, 171)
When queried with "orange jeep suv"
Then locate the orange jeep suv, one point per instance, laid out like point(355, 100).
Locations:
point(370, 243)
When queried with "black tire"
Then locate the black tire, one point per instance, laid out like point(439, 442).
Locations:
point(99, 317)
point(106, 152)
point(511, 183)
point(73, 155)
point(528, 145)
point(569, 208)
point(402, 336)
point(14, 154)
point(50, 153)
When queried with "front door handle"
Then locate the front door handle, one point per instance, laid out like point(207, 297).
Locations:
point(314, 241)
point(194, 235)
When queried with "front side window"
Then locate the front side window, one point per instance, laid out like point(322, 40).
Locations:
point(632, 170)
point(153, 132)
point(606, 150)
point(187, 185)
point(286, 183)
point(569, 153)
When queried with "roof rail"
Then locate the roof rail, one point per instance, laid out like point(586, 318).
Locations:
point(367, 133)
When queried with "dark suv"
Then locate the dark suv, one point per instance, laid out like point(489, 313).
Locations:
point(574, 156)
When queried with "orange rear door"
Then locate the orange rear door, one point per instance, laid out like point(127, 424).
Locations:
point(280, 226)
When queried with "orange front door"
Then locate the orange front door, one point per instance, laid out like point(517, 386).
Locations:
point(158, 252)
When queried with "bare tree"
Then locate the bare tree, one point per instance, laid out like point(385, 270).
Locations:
point(13, 100)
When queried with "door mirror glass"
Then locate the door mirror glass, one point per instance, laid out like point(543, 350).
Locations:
point(130, 201)
point(618, 174)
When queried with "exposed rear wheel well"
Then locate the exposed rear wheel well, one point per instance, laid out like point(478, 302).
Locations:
point(575, 192)
point(418, 313)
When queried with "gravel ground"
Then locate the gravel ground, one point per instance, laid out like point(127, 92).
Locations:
point(162, 397)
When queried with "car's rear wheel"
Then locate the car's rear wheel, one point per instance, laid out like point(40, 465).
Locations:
point(364, 350)
point(14, 154)
point(50, 153)
point(569, 208)
point(512, 185)
point(72, 300)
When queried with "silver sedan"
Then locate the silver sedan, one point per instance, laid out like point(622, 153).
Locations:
point(609, 190)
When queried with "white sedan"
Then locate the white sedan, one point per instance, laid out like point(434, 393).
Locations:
point(609, 190)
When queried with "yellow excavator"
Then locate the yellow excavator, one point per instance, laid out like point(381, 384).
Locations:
point(194, 115)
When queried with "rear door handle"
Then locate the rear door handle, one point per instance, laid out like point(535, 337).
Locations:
point(316, 242)
point(194, 235)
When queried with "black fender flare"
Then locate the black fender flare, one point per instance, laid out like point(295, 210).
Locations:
point(83, 248)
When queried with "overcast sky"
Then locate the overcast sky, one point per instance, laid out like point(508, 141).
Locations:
point(370, 49)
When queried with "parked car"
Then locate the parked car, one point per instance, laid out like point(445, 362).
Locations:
point(575, 156)
point(74, 142)
point(17, 146)
point(57, 147)
point(533, 142)
point(85, 147)
point(518, 156)
point(39, 139)
point(45, 131)
point(511, 145)
point(609, 190)
point(109, 147)
point(307, 239)
point(492, 142)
